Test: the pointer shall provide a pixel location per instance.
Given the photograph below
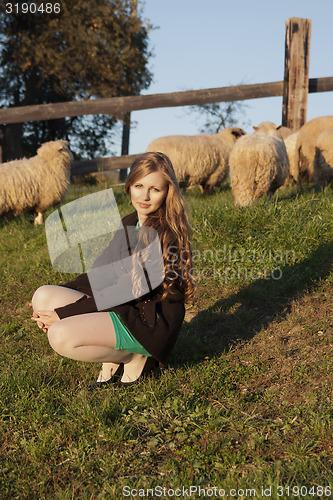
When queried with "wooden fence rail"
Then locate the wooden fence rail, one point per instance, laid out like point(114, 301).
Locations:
point(83, 167)
point(118, 105)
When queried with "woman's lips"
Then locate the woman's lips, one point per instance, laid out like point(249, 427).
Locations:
point(144, 205)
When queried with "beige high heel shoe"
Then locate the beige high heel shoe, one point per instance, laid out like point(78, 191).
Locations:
point(101, 384)
point(139, 366)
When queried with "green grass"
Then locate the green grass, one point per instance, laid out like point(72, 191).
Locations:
point(246, 400)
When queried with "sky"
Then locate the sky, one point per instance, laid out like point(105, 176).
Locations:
point(218, 43)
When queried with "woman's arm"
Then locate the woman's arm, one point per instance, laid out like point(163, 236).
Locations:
point(82, 306)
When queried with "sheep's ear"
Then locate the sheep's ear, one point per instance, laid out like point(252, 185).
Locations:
point(278, 127)
point(238, 132)
point(63, 146)
point(254, 127)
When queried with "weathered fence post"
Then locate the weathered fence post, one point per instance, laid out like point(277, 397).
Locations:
point(127, 116)
point(296, 72)
point(125, 143)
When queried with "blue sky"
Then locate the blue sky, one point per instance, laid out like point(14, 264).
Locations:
point(217, 43)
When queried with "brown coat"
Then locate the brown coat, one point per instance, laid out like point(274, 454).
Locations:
point(154, 323)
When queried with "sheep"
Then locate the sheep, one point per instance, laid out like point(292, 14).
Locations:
point(199, 159)
point(323, 160)
point(290, 140)
point(291, 147)
point(270, 128)
point(306, 145)
point(37, 183)
point(258, 165)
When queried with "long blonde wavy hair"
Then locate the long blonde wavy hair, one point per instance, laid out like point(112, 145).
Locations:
point(170, 221)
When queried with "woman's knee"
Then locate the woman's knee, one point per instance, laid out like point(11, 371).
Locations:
point(42, 297)
point(58, 336)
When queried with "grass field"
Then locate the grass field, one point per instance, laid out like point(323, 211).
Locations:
point(244, 408)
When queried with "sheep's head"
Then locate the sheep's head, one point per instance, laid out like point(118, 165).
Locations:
point(265, 128)
point(231, 134)
point(54, 147)
point(237, 132)
point(269, 128)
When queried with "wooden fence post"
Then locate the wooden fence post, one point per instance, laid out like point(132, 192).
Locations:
point(125, 143)
point(127, 116)
point(2, 136)
point(296, 72)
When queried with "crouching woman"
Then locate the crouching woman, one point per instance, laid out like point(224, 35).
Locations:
point(131, 337)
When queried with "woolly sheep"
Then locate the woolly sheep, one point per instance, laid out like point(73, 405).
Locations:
point(306, 144)
point(291, 147)
point(37, 183)
point(270, 128)
point(323, 160)
point(290, 140)
point(199, 159)
point(258, 165)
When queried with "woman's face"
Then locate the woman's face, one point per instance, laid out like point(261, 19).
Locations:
point(148, 194)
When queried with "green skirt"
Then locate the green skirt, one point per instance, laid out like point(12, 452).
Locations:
point(124, 339)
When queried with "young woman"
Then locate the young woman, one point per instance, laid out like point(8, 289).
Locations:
point(128, 338)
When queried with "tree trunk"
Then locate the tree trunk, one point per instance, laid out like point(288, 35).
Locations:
point(12, 142)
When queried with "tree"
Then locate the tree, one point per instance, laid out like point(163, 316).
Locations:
point(91, 49)
point(219, 115)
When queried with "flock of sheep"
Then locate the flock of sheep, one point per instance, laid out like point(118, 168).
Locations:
point(257, 164)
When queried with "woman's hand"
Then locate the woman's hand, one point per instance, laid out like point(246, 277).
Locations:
point(45, 319)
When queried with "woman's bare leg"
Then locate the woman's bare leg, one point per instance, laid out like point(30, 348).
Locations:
point(87, 337)
point(49, 297)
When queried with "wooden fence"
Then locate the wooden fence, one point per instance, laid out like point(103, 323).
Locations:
point(223, 94)
point(117, 105)
point(294, 89)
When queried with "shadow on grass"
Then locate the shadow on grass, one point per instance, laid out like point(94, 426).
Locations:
point(242, 315)
point(296, 190)
point(19, 219)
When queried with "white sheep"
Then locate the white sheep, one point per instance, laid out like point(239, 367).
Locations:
point(323, 160)
point(37, 183)
point(291, 147)
point(201, 159)
point(270, 128)
point(306, 145)
point(290, 141)
point(258, 166)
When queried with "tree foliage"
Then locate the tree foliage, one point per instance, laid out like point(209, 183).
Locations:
point(218, 116)
point(91, 49)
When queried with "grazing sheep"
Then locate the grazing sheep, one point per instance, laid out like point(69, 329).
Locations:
point(258, 166)
point(306, 145)
point(270, 128)
point(201, 159)
point(37, 183)
point(290, 140)
point(291, 147)
point(323, 160)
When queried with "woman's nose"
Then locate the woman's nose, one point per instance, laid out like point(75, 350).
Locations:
point(146, 194)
